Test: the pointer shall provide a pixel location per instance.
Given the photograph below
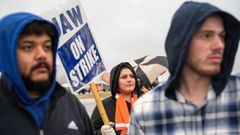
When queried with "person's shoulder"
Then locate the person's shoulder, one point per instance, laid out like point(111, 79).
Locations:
point(233, 82)
point(237, 75)
point(108, 100)
point(234, 77)
point(153, 96)
point(65, 96)
point(147, 106)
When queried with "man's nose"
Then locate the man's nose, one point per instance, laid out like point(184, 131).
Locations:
point(40, 53)
point(219, 44)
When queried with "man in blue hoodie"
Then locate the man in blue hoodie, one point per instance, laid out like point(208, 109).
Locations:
point(200, 96)
point(31, 100)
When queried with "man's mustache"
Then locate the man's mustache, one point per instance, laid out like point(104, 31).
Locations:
point(41, 64)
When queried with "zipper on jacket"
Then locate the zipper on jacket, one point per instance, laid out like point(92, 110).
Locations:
point(35, 108)
point(41, 132)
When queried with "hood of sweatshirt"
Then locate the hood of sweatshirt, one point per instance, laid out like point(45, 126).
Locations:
point(186, 22)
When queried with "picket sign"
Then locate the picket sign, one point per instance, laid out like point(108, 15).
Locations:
point(77, 52)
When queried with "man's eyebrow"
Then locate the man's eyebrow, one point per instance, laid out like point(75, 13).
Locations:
point(205, 31)
point(48, 41)
point(25, 41)
point(209, 31)
point(29, 41)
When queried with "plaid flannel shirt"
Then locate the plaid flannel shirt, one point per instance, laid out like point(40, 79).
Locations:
point(154, 113)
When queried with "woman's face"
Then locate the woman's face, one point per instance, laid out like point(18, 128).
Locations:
point(126, 82)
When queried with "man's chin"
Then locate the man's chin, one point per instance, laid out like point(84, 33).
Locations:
point(41, 86)
point(38, 83)
point(40, 78)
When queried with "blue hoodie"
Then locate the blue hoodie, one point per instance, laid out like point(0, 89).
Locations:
point(185, 23)
point(11, 26)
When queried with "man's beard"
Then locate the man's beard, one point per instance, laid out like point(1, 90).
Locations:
point(40, 86)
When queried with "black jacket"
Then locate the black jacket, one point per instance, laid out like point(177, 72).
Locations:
point(110, 108)
point(65, 115)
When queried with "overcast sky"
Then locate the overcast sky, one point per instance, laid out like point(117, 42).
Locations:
point(124, 29)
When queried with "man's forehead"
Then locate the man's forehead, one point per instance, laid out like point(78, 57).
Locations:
point(212, 23)
point(33, 38)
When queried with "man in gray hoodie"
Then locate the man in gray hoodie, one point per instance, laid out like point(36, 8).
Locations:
point(200, 96)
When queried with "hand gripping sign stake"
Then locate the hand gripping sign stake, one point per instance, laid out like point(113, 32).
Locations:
point(100, 107)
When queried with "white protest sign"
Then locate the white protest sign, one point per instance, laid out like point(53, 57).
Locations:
point(77, 49)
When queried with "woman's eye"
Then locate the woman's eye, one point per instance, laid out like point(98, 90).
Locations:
point(123, 77)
